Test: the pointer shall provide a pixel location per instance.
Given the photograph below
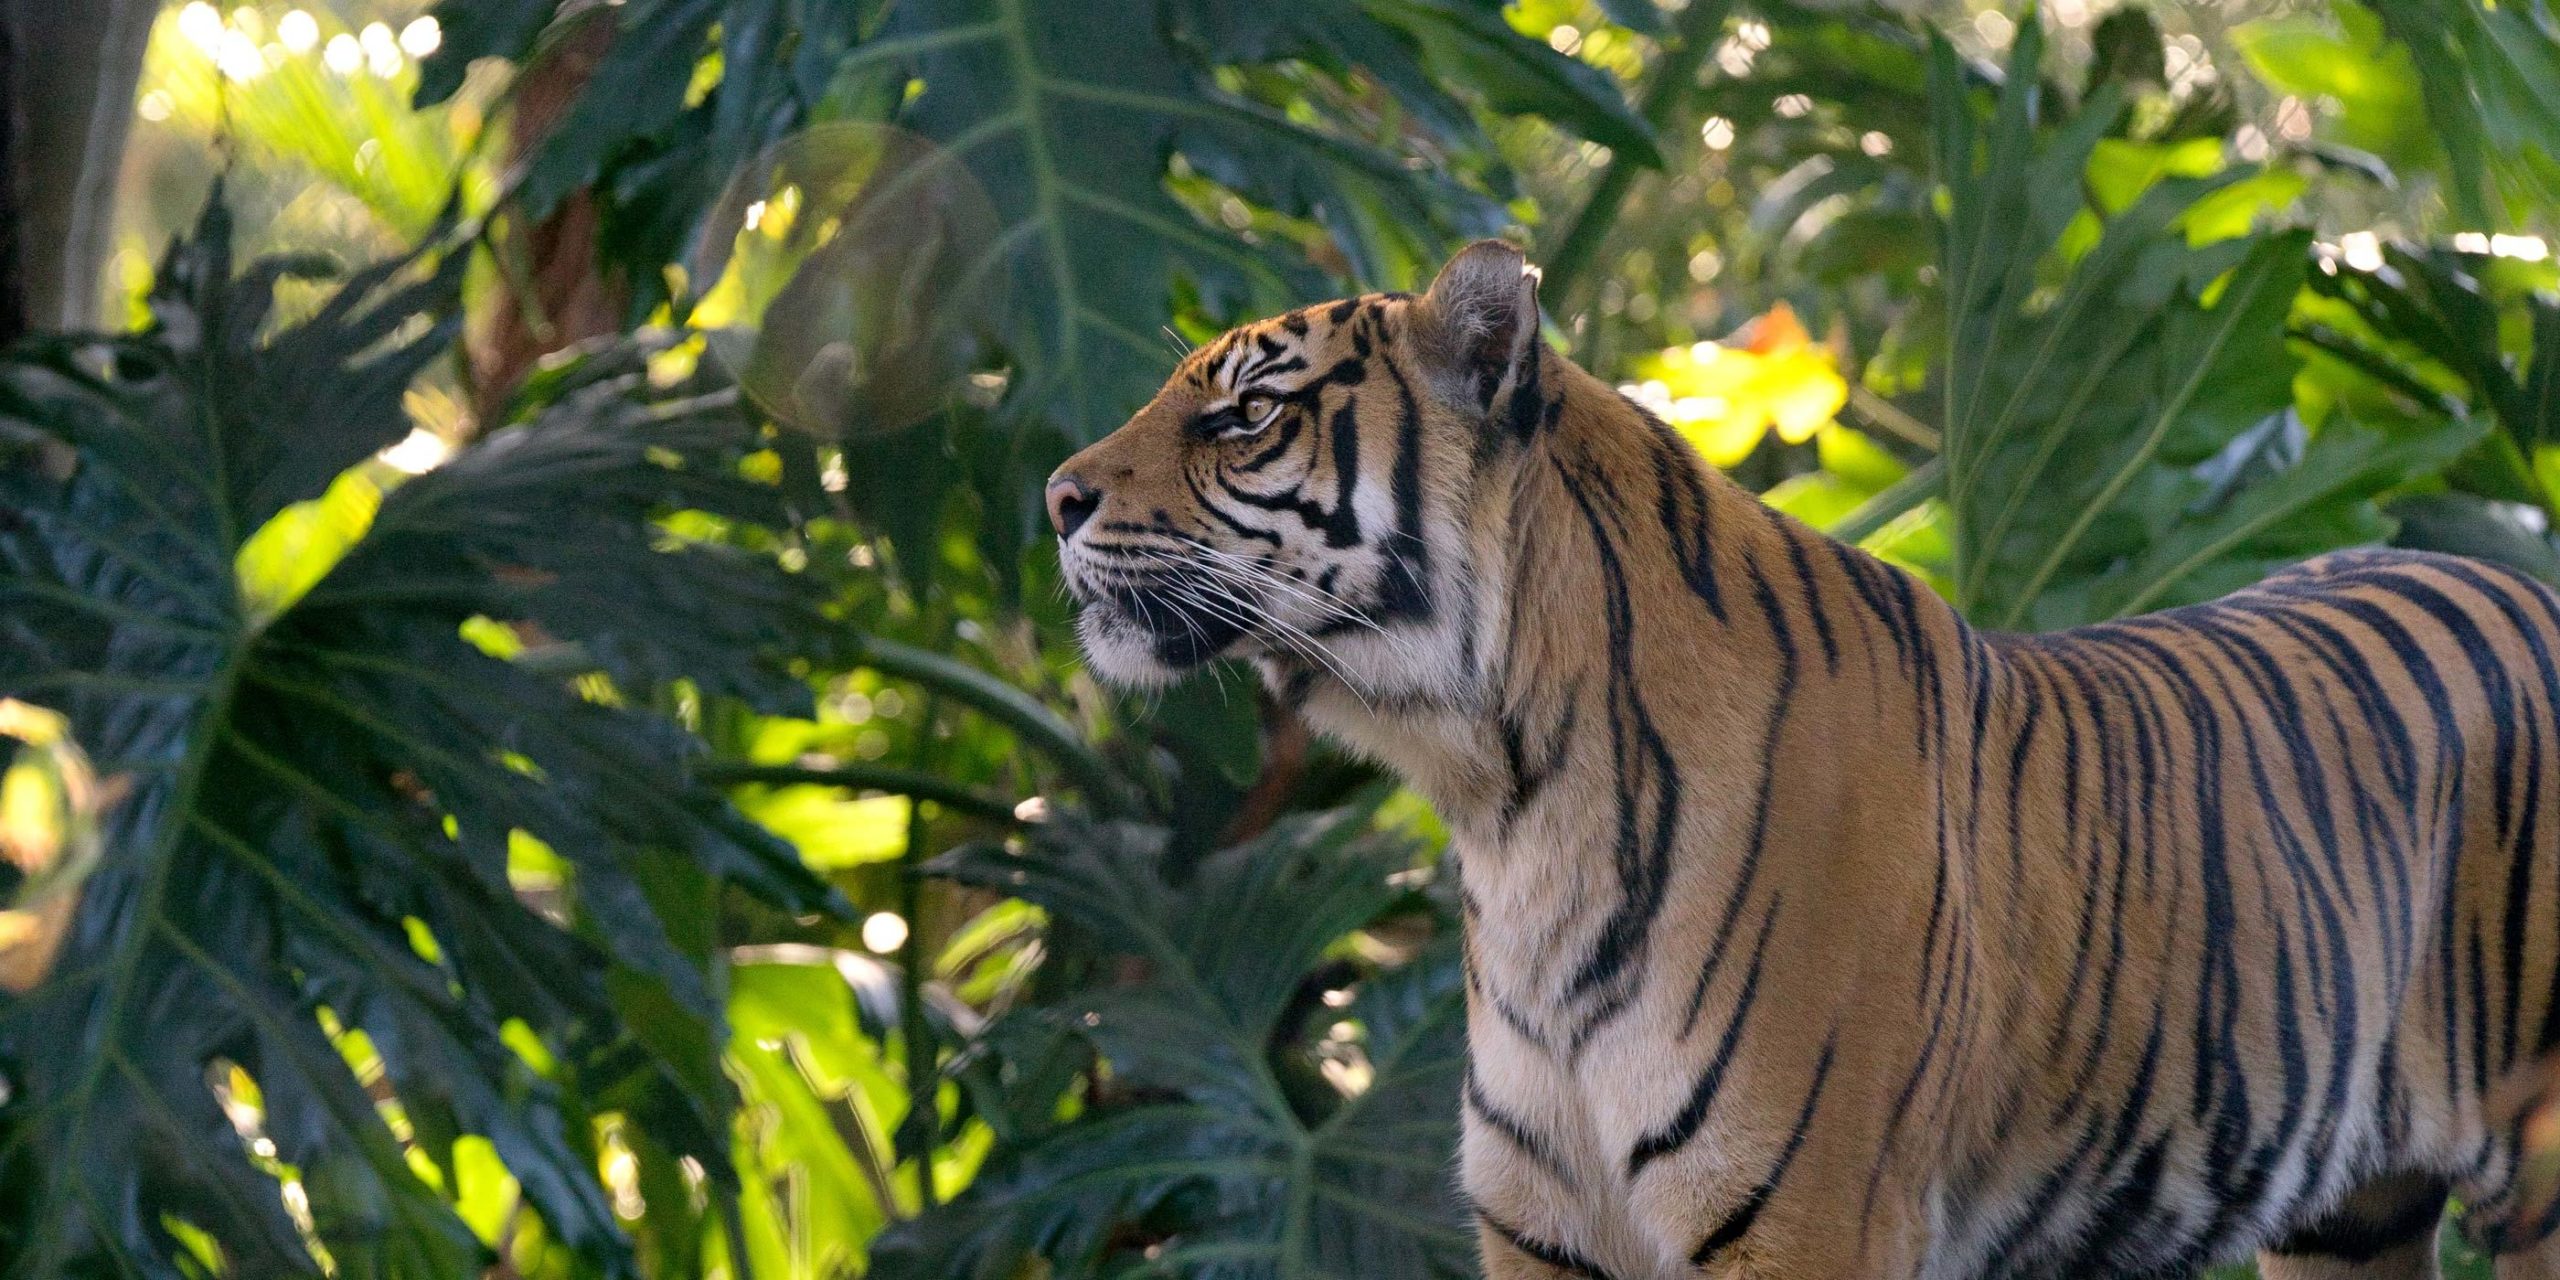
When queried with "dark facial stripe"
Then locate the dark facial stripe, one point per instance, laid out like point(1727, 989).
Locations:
point(1285, 434)
point(1200, 498)
point(1404, 584)
point(1341, 525)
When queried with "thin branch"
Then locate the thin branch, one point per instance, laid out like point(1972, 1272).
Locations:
point(923, 1061)
point(1284, 764)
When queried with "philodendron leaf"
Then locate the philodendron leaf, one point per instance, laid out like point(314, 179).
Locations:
point(1219, 1170)
point(1079, 119)
point(306, 879)
point(2446, 307)
point(1067, 113)
point(2119, 428)
point(2490, 78)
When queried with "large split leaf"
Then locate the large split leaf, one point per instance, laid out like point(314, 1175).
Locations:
point(2490, 76)
point(2119, 425)
point(2433, 330)
point(1067, 111)
point(1215, 1163)
point(1075, 117)
point(299, 971)
point(656, 152)
point(2444, 310)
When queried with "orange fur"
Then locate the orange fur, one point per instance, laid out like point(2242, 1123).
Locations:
point(1813, 933)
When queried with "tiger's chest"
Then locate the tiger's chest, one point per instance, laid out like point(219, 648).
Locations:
point(1547, 1138)
point(1574, 1128)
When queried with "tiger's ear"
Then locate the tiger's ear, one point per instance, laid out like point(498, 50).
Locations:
point(1479, 324)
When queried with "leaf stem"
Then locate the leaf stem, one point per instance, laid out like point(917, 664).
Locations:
point(1888, 416)
point(1029, 718)
point(914, 783)
point(1926, 481)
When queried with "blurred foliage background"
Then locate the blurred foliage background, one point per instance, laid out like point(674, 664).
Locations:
point(561, 754)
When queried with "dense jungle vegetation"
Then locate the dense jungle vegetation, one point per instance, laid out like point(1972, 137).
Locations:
point(543, 739)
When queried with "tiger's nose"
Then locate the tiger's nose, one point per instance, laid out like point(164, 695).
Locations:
point(1071, 503)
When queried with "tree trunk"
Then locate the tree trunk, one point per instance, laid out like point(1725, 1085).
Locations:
point(13, 258)
point(552, 295)
point(69, 74)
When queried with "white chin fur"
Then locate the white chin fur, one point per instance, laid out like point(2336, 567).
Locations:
point(1116, 650)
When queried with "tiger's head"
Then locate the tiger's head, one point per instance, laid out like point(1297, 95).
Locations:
point(1300, 491)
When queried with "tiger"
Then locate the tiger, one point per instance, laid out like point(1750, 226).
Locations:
point(1811, 932)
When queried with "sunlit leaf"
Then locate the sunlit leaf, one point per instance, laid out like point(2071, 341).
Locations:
point(2125, 439)
point(310, 868)
point(1221, 1171)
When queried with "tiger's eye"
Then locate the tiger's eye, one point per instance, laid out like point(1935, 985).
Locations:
point(1257, 409)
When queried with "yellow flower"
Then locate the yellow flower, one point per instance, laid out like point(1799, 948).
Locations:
point(1725, 395)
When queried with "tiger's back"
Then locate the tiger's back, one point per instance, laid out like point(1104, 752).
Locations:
point(2327, 806)
point(1813, 933)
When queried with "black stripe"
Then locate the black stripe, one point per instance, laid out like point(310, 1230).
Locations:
point(1237, 527)
point(1812, 592)
point(1739, 1224)
point(1702, 1094)
point(1643, 859)
point(1516, 1133)
point(1687, 514)
point(1553, 1255)
point(1404, 583)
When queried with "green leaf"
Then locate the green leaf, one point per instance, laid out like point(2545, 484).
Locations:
point(1518, 75)
point(2119, 432)
point(1635, 15)
point(323, 788)
point(2348, 60)
point(1066, 113)
point(2444, 307)
point(2127, 49)
point(819, 1106)
point(2490, 77)
point(2285, 496)
point(1073, 117)
point(1029, 718)
point(634, 132)
point(650, 65)
point(1223, 1169)
point(472, 30)
point(358, 133)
